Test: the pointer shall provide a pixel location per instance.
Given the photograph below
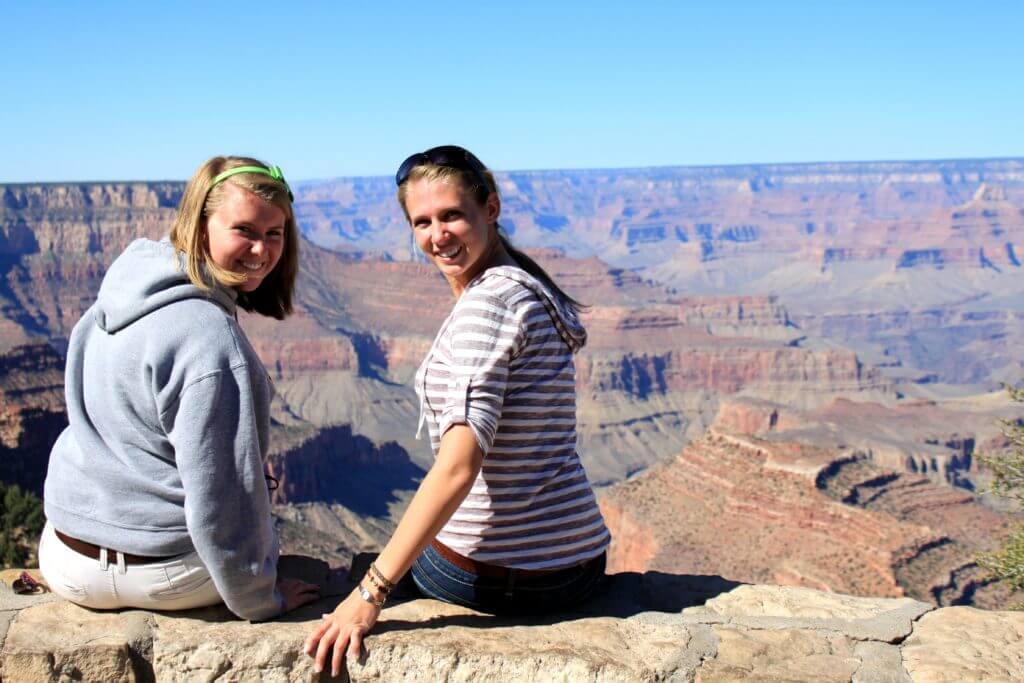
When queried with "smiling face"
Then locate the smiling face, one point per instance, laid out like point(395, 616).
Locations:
point(455, 232)
point(245, 235)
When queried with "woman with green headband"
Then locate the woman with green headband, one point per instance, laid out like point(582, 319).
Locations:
point(155, 495)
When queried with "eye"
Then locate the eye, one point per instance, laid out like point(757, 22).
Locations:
point(451, 215)
point(275, 234)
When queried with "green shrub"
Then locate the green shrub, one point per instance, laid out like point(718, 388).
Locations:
point(21, 515)
point(1007, 563)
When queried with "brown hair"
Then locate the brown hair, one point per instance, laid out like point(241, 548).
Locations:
point(470, 184)
point(273, 297)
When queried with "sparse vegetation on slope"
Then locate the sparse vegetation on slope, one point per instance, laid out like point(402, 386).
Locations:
point(1007, 468)
point(21, 514)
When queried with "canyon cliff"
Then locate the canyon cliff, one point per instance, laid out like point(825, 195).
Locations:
point(913, 264)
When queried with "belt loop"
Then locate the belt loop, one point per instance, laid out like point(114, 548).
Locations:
point(104, 560)
point(121, 569)
point(510, 583)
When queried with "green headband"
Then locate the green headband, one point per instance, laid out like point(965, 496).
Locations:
point(272, 172)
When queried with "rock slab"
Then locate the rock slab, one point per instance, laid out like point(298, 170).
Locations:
point(959, 644)
point(58, 641)
point(750, 633)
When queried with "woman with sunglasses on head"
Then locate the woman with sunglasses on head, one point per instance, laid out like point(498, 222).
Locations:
point(505, 521)
point(155, 495)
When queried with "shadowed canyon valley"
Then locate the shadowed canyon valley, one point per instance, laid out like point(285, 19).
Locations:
point(790, 367)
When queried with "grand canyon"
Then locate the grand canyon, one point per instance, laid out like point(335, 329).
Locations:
point(790, 371)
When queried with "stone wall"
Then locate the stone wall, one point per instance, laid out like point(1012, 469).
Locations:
point(643, 627)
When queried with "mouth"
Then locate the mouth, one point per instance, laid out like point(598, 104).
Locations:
point(252, 265)
point(449, 253)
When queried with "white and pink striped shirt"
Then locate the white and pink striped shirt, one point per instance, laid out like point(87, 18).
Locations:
point(502, 363)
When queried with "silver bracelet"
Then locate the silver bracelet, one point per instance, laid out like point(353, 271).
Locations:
point(368, 596)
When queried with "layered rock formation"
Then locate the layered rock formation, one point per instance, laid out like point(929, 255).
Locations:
point(735, 508)
point(645, 627)
point(936, 439)
point(31, 411)
point(796, 514)
point(657, 213)
point(649, 380)
point(916, 262)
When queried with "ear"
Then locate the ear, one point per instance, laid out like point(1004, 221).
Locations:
point(493, 207)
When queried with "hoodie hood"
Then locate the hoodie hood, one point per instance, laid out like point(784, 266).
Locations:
point(562, 314)
point(147, 276)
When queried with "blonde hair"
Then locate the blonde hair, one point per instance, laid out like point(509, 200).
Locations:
point(273, 297)
point(468, 183)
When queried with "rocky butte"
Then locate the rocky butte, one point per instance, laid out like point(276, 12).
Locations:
point(790, 370)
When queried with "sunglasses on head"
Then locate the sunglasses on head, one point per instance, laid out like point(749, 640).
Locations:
point(449, 156)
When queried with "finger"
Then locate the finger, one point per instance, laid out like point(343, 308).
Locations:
point(339, 655)
point(315, 636)
point(355, 646)
point(324, 647)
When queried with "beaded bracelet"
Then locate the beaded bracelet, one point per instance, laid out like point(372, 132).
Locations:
point(383, 582)
point(377, 584)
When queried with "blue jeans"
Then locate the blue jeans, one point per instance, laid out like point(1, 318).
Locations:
point(438, 578)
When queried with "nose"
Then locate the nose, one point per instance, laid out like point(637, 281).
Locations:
point(257, 246)
point(438, 233)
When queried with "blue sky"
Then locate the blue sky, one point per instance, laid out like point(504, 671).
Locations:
point(100, 91)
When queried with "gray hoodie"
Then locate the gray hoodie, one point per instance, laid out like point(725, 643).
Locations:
point(169, 411)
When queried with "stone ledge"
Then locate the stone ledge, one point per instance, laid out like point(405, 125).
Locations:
point(644, 627)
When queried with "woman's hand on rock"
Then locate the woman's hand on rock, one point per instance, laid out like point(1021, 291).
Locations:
point(297, 593)
point(344, 628)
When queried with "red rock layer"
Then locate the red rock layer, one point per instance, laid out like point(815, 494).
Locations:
point(716, 509)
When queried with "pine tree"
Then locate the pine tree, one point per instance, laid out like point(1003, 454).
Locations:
point(1007, 563)
point(21, 519)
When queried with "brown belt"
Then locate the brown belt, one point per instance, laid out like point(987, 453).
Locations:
point(93, 551)
point(491, 571)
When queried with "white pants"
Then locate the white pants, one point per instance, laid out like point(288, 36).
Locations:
point(181, 582)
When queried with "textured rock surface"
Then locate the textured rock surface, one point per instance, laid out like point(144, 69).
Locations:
point(60, 641)
point(966, 644)
point(206, 647)
point(767, 607)
point(786, 655)
point(880, 663)
point(423, 640)
point(643, 627)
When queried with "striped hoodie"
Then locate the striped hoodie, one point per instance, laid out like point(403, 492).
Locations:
point(502, 363)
